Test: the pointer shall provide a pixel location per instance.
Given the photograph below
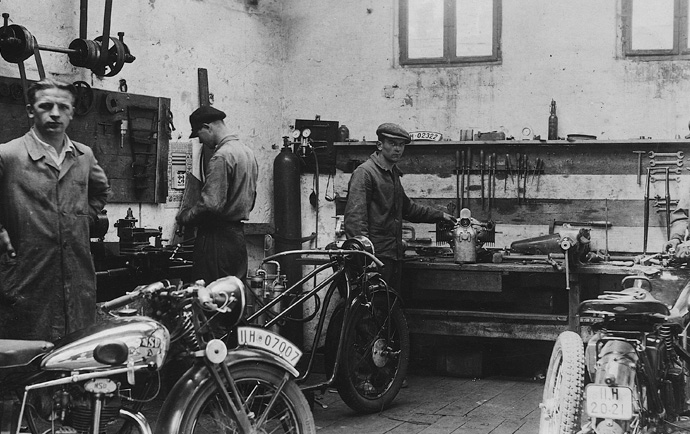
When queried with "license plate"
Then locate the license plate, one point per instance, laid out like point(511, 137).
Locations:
point(269, 341)
point(609, 402)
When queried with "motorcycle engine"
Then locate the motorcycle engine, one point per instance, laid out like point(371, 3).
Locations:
point(73, 407)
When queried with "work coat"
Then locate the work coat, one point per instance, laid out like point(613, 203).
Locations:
point(377, 205)
point(49, 288)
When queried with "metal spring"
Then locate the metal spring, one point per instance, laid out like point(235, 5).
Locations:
point(188, 333)
point(666, 334)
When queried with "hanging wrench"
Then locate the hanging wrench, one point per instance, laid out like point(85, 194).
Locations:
point(666, 163)
point(675, 170)
point(678, 154)
point(661, 179)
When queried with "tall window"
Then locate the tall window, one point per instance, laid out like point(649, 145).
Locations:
point(655, 29)
point(434, 32)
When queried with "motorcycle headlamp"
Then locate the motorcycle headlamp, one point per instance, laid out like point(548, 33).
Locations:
point(224, 295)
point(361, 243)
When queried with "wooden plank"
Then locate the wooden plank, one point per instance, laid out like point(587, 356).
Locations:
point(486, 329)
point(435, 313)
point(469, 281)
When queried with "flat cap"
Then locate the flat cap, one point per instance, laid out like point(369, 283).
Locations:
point(204, 115)
point(393, 131)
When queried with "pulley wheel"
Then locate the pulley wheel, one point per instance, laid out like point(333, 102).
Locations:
point(16, 43)
point(115, 60)
point(85, 98)
point(87, 54)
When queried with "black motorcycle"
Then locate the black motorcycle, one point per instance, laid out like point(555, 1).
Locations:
point(95, 380)
point(634, 366)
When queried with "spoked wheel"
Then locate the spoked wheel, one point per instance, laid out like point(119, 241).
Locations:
point(561, 406)
point(375, 355)
point(288, 412)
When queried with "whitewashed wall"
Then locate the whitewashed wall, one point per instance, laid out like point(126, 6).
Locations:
point(293, 59)
point(240, 46)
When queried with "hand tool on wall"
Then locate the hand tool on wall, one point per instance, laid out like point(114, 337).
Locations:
point(488, 182)
point(668, 208)
point(666, 163)
point(652, 154)
point(481, 173)
point(462, 180)
point(508, 173)
point(469, 170)
point(518, 158)
point(458, 163)
point(639, 166)
point(646, 214)
point(525, 167)
point(493, 177)
point(540, 170)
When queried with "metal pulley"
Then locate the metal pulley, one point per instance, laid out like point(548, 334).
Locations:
point(87, 53)
point(18, 44)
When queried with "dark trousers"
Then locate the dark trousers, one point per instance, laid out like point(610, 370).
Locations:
point(392, 272)
point(220, 251)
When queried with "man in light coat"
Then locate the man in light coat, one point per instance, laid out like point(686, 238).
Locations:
point(51, 190)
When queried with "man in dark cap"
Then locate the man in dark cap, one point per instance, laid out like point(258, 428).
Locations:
point(377, 203)
point(227, 197)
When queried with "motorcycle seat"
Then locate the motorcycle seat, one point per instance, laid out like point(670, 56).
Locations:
point(627, 302)
point(19, 352)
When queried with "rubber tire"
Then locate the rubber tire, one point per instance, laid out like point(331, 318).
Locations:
point(564, 386)
point(252, 372)
point(335, 323)
point(346, 375)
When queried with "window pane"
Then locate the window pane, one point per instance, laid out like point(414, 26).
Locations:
point(652, 25)
point(474, 20)
point(425, 28)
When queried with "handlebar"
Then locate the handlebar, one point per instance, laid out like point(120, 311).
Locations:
point(219, 295)
point(138, 292)
point(338, 252)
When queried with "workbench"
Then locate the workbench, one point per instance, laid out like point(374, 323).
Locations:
point(512, 300)
point(557, 181)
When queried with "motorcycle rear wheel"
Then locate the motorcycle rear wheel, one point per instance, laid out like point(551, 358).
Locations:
point(209, 413)
point(375, 354)
point(561, 405)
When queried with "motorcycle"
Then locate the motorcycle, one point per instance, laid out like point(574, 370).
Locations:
point(367, 341)
point(635, 364)
point(93, 381)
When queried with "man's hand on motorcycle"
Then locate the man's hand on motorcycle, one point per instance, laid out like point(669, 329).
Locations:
point(670, 244)
point(6, 244)
point(682, 251)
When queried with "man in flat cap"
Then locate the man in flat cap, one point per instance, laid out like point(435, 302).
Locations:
point(227, 197)
point(377, 203)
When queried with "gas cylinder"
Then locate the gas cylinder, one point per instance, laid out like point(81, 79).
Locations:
point(287, 212)
point(464, 239)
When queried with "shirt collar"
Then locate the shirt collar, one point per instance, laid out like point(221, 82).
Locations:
point(384, 164)
point(68, 146)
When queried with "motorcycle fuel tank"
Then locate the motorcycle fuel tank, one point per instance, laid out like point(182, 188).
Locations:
point(147, 340)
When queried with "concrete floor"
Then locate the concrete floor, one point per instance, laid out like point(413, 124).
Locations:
point(442, 405)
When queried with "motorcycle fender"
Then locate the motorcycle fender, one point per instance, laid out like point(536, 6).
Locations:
point(180, 396)
point(382, 289)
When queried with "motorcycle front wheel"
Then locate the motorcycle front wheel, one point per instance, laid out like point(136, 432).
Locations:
point(208, 411)
point(375, 353)
point(561, 405)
